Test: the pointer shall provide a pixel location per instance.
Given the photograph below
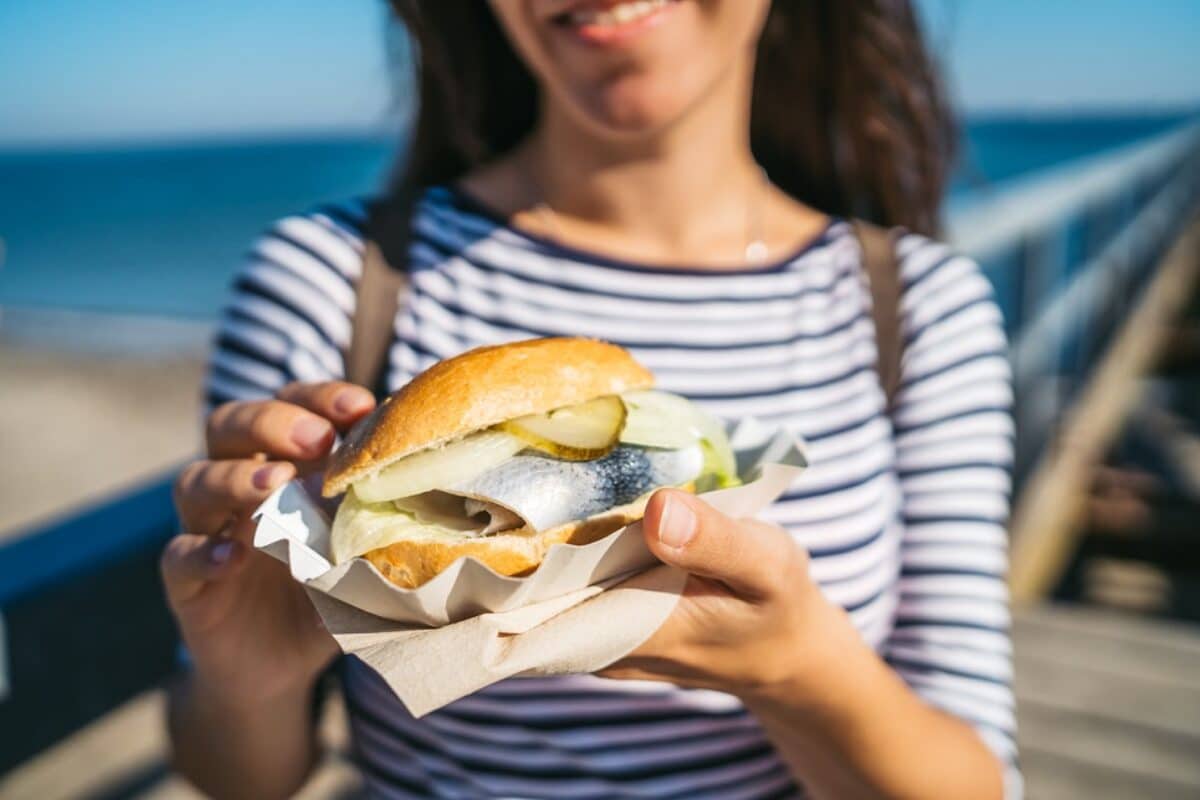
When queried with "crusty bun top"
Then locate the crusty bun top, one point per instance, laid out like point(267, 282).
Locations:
point(478, 389)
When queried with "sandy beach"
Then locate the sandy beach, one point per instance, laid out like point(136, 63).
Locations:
point(84, 416)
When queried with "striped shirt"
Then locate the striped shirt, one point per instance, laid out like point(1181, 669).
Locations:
point(903, 515)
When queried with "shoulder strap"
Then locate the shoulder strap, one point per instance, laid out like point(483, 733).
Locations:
point(378, 296)
point(883, 274)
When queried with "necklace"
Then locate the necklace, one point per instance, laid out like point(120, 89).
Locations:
point(755, 252)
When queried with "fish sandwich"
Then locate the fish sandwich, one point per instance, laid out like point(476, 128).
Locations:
point(503, 451)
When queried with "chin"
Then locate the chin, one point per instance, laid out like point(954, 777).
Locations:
point(634, 107)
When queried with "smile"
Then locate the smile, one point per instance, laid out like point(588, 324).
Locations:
point(609, 23)
point(620, 14)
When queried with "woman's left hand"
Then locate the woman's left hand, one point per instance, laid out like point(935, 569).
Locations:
point(750, 620)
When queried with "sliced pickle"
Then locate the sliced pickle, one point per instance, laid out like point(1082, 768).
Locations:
point(575, 433)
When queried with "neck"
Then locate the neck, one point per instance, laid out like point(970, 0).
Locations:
point(675, 188)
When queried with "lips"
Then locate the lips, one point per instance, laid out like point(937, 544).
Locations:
point(610, 15)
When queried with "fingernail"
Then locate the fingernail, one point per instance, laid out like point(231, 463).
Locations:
point(351, 401)
point(677, 525)
point(221, 552)
point(268, 477)
point(310, 433)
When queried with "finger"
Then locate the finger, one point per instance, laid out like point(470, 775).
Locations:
point(190, 562)
point(209, 493)
point(753, 558)
point(337, 401)
point(281, 430)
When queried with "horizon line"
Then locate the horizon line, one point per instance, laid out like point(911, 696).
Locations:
point(385, 133)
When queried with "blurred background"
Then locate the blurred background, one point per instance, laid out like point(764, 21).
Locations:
point(144, 143)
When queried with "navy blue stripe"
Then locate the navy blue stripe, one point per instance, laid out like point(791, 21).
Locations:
point(450, 250)
point(829, 433)
point(986, 299)
point(970, 412)
point(909, 285)
point(217, 369)
point(503, 765)
point(355, 225)
point(214, 398)
point(252, 285)
point(397, 782)
point(227, 343)
point(804, 494)
point(903, 621)
point(827, 552)
point(913, 380)
point(617, 716)
point(589, 749)
point(861, 604)
point(954, 467)
point(285, 238)
point(468, 205)
point(351, 229)
point(933, 670)
point(924, 519)
point(506, 327)
point(940, 572)
point(439, 255)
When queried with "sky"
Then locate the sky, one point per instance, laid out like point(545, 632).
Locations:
point(117, 70)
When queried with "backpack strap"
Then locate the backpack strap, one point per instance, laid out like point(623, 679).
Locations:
point(378, 296)
point(883, 274)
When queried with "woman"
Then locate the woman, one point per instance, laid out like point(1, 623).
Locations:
point(675, 177)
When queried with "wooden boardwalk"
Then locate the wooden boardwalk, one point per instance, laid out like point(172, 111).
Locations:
point(1108, 707)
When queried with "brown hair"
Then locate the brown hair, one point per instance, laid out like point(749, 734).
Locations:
point(848, 114)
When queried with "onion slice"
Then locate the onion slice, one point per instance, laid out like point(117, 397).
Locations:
point(660, 419)
point(439, 467)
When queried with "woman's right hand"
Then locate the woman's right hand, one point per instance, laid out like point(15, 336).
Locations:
point(251, 631)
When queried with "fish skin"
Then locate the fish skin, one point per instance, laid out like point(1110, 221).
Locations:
point(546, 491)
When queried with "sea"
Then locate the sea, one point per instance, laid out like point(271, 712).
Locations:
point(160, 229)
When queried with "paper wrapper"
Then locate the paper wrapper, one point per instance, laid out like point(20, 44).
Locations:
point(582, 609)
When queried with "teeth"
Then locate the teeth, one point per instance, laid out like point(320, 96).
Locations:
point(621, 14)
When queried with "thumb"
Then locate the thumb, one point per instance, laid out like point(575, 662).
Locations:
point(753, 558)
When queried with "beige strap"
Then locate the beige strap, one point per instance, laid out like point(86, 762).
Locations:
point(378, 296)
point(883, 274)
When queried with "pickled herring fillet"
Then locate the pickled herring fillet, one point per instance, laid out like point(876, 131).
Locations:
point(546, 492)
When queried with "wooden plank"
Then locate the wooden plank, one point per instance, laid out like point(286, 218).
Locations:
point(1092, 739)
point(1051, 776)
point(1125, 646)
point(1094, 625)
point(1046, 522)
point(1111, 697)
point(124, 754)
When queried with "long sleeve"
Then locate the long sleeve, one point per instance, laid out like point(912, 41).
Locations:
point(289, 309)
point(954, 441)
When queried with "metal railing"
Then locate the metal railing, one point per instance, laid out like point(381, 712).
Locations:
point(1068, 252)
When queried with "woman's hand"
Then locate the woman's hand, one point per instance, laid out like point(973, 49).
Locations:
point(751, 622)
point(750, 619)
point(250, 629)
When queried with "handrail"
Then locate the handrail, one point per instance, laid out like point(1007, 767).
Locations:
point(85, 618)
point(1068, 249)
point(985, 226)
